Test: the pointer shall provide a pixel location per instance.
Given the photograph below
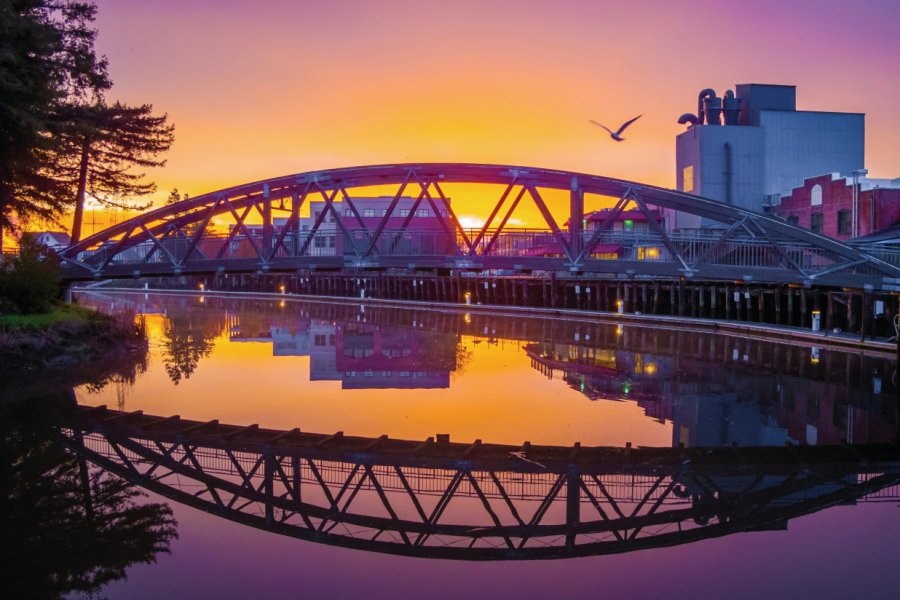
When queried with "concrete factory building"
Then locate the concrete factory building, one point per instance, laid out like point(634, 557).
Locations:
point(752, 145)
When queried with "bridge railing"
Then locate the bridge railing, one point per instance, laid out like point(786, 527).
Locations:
point(687, 249)
point(889, 254)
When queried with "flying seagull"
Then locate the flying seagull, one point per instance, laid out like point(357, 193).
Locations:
point(616, 135)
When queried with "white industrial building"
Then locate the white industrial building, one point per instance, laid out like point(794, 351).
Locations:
point(752, 145)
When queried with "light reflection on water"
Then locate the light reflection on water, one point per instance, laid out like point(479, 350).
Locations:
point(412, 374)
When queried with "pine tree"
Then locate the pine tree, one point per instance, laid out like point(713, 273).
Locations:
point(104, 144)
point(46, 56)
point(174, 197)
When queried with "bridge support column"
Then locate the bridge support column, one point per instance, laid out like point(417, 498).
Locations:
point(790, 306)
point(803, 309)
point(866, 311)
point(269, 488)
point(267, 221)
point(576, 217)
point(573, 506)
point(897, 364)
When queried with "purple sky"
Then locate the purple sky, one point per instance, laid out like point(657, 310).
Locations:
point(258, 89)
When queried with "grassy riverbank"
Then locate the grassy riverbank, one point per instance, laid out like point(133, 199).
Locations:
point(39, 334)
point(65, 336)
point(59, 314)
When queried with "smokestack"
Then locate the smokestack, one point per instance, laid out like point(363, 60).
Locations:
point(701, 107)
point(732, 108)
point(712, 108)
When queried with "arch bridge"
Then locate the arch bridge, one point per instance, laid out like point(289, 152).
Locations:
point(477, 501)
point(265, 233)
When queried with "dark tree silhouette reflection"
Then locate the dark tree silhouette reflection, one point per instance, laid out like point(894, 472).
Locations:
point(188, 338)
point(66, 527)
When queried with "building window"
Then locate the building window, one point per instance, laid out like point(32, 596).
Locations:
point(794, 220)
point(369, 212)
point(404, 212)
point(348, 212)
point(687, 179)
point(815, 222)
point(844, 222)
point(648, 253)
point(815, 195)
point(422, 212)
point(383, 212)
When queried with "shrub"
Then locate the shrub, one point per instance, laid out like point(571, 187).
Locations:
point(30, 281)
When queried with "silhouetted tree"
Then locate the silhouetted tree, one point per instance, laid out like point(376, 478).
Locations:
point(175, 197)
point(47, 57)
point(104, 145)
point(66, 527)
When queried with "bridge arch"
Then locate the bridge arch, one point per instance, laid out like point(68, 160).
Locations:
point(505, 502)
point(742, 245)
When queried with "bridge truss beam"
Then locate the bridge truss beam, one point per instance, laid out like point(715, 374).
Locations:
point(472, 501)
point(740, 244)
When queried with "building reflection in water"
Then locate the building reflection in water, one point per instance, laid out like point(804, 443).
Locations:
point(762, 433)
point(714, 390)
point(361, 355)
point(737, 403)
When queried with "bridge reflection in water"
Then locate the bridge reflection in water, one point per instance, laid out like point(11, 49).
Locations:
point(715, 390)
point(476, 501)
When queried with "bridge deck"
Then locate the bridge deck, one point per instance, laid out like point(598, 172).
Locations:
point(734, 244)
point(436, 454)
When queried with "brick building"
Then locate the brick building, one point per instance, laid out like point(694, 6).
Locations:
point(824, 205)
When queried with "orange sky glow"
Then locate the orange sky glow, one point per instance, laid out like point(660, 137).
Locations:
point(258, 90)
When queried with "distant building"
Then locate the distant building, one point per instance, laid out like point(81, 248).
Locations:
point(747, 148)
point(372, 210)
point(824, 205)
point(54, 240)
point(329, 239)
point(627, 221)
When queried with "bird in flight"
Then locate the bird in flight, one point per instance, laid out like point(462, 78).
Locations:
point(616, 135)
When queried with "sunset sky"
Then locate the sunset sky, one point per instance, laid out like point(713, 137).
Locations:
point(259, 89)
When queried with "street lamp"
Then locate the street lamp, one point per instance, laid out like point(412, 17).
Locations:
point(857, 173)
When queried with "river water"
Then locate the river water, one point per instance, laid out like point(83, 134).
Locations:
point(414, 374)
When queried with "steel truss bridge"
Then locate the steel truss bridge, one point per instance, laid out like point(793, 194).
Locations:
point(741, 245)
point(475, 501)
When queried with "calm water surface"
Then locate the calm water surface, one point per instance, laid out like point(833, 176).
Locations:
point(413, 374)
